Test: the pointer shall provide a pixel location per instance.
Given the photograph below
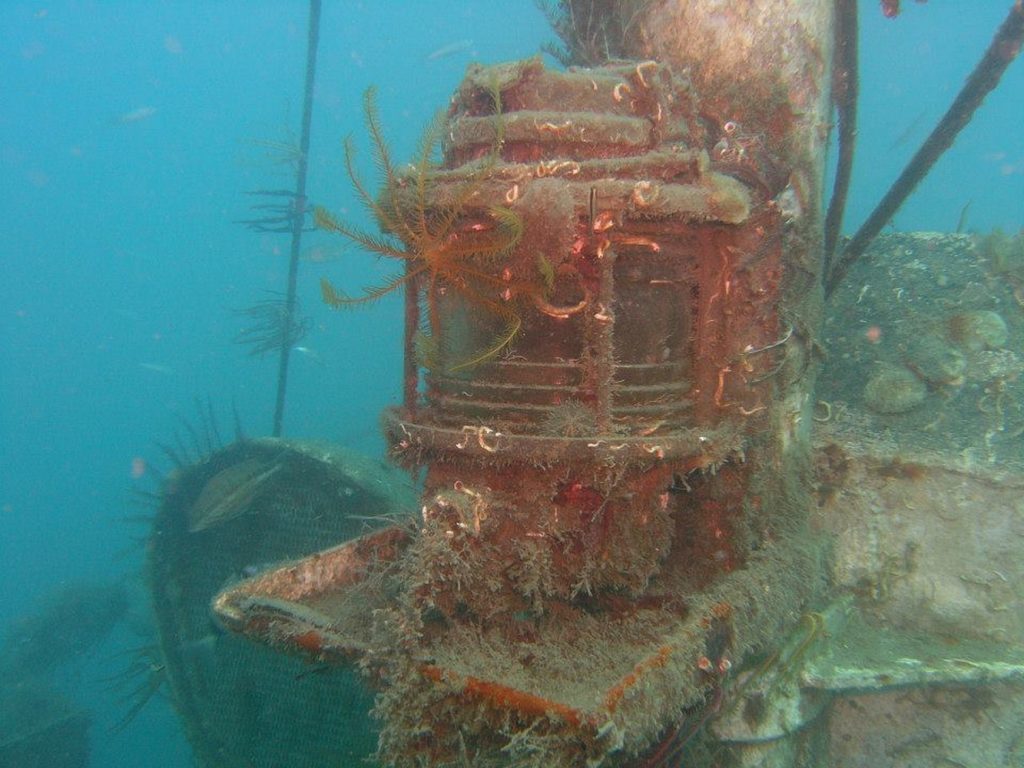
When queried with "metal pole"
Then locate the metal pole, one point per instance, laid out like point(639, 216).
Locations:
point(298, 212)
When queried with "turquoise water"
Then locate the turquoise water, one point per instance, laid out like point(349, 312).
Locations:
point(129, 134)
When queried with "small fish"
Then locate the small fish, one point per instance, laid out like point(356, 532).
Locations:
point(309, 352)
point(254, 569)
point(961, 223)
point(138, 467)
point(318, 670)
point(204, 645)
point(457, 46)
point(230, 493)
point(136, 115)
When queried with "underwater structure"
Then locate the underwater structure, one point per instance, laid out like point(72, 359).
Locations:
point(611, 292)
point(227, 512)
point(627, 550)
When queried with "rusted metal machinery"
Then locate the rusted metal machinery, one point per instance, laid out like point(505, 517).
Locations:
point(644, 342)
point(611, 288)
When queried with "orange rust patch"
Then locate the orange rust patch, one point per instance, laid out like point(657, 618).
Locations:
point(614, 696)
point(310, 641)
point(503, 696)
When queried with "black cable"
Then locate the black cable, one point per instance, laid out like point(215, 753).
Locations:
point(298, 213)
point(845, 87)
point(986, 75)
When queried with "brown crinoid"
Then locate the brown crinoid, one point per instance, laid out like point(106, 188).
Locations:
point(448, 250)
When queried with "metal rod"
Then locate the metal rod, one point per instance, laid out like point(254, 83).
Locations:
point(411, 366)
point(986, 75)
point(298, 213)
point(845, 87)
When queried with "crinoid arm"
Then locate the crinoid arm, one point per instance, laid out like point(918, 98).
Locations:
point(387, 215)
point(338, 299)
point(502, 235)
point(271, 326)
point(427, 349)
point(428, 144)
point(510, 226)
point(546, 270)
point(143, 678)
point(326, 221)
point(492, 350)
point(405, 221)
point(381, 153)
point(448, 239)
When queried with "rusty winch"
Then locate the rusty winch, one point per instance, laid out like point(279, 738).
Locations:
point(601, 386)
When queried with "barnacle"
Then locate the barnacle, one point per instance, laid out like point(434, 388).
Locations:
point(570, 419)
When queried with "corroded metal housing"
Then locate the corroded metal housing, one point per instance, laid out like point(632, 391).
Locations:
point(659, 263)
point(604, 418)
